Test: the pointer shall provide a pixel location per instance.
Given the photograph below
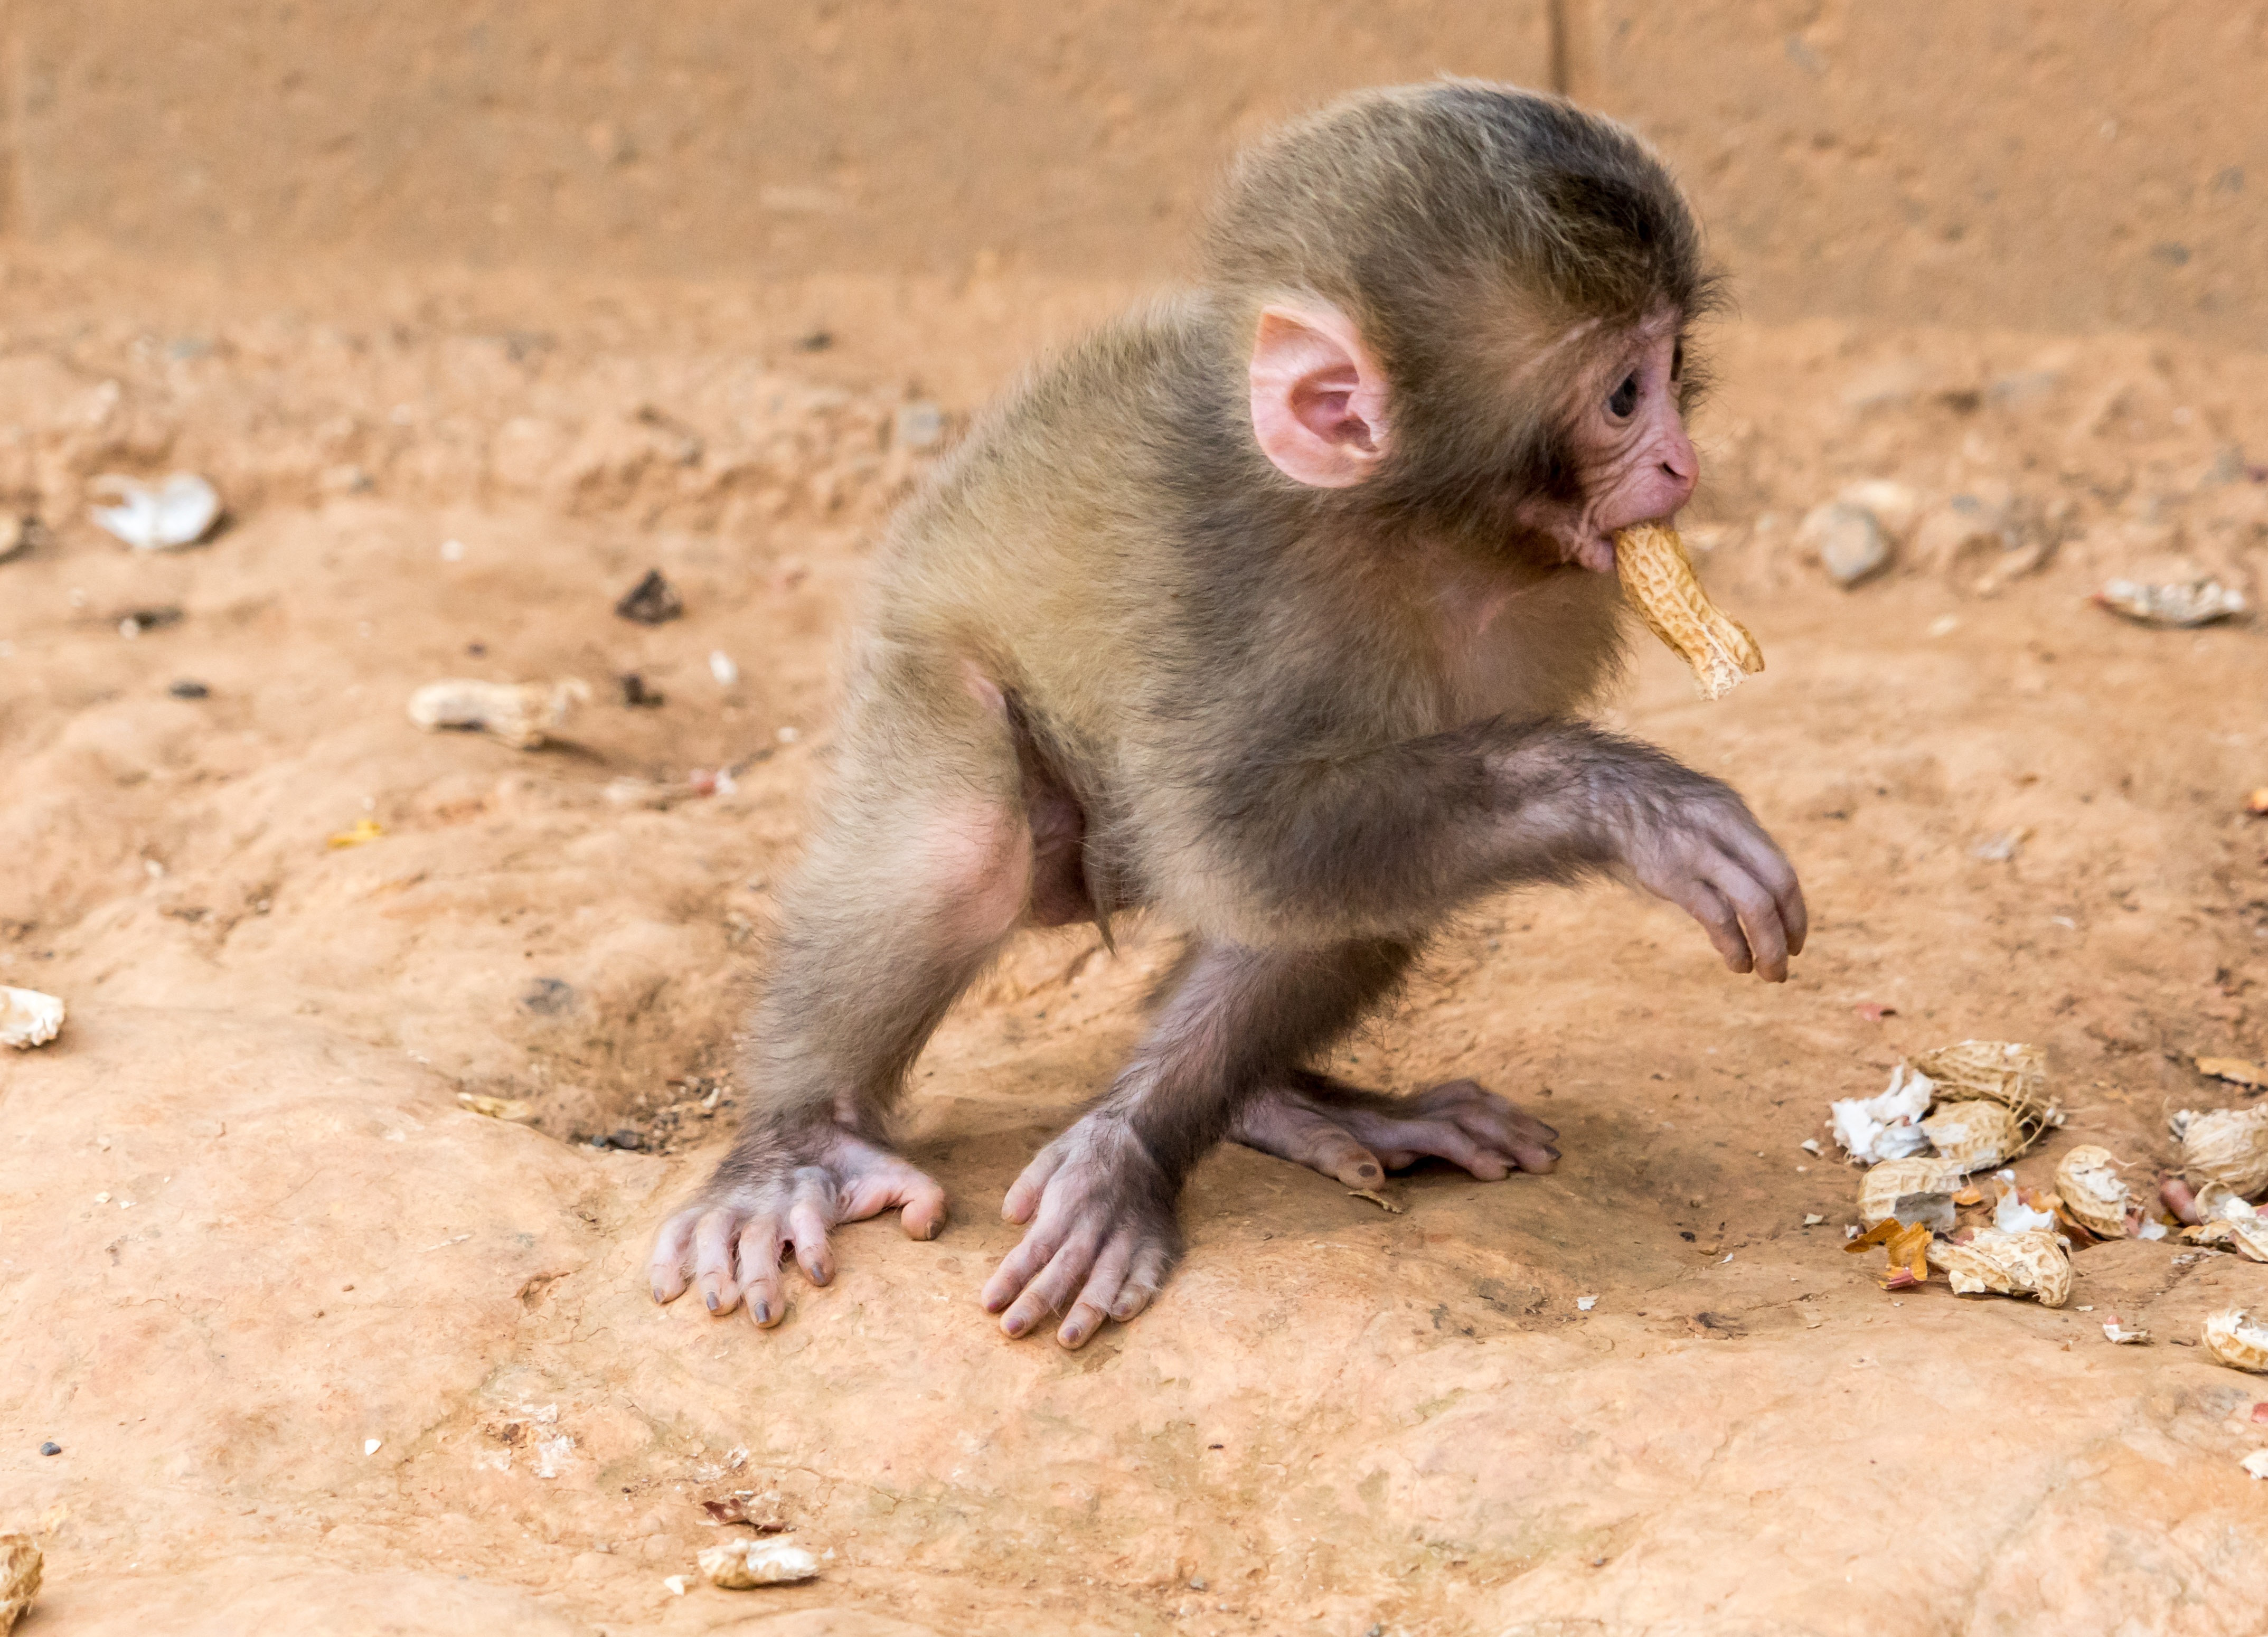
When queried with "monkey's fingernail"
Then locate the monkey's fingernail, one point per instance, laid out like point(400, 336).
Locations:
point(710, 1296)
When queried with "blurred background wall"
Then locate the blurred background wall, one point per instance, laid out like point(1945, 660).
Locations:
point(2064, 164)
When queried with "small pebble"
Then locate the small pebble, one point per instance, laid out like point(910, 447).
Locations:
point(188, 688)
point(653, 601)
point(51, 1447)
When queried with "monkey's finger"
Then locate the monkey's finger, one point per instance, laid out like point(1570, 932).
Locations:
point(1142, 1281)
point(1759, 920)
point(874, 1192)
point(759, 1271)
point(1100, 1291)
point(807, 1227)
point(1764, 860)
point(1016, 1270)
point(1705, 904)
point(714, 1237)
point(1052, 1291)
point(1023, 1197)
point(665, 1269)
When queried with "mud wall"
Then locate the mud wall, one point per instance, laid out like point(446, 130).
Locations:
point(2064, 163)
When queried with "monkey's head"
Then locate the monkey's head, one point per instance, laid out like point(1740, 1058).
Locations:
point(1468, 308)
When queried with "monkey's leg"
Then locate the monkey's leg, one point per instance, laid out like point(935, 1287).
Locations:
point(1100, 1199)
point(1356, 1136)
point(906, 894)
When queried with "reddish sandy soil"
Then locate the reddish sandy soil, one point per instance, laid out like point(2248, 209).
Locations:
point(247, 1229)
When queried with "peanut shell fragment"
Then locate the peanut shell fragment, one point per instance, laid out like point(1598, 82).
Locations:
point(1658, 579)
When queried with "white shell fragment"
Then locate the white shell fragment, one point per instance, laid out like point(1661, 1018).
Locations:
point(1886, 1126)
point(2234, 1338)
point(2256, 1463)
point(2229, 1146)
point(2089, 1184)
point(2248, 1236)
point(2010, 1264)
point(2114, 1332)
point(28, 1018)
point(2184, 604)
point(1912, 1191)
point(1975, 1136)
point(738, 1565)
point(19, 1578)
point(519, 713)
point(158, 517)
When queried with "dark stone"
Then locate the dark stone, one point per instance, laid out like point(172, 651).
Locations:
point(188, 688)
point(636, 693)
point(627, 1139)
point(51, 1447)
point(151, 619)
point(651, 601)
point(548, 996)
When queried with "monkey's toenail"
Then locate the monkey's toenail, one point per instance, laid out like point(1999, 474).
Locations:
point(763, 1311)
point(710, 1298)
point(657, 1297)
point(1370, 1170)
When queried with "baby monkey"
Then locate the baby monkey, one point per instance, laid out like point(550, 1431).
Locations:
point(1268, 609)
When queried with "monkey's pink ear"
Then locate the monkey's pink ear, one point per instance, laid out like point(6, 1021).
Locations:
point(1318, 397)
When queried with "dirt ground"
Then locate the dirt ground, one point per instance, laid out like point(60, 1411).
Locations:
point(324, 1350)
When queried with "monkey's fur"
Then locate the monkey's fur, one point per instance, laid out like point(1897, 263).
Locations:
point(1116, 658)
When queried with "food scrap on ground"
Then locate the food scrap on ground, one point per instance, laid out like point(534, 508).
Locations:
point(2238, 1340)
point(158, 517)
point(2179, 604)
point(363, 829)
point(521, 714)
point(20, 1563)
point(2236, 1070)
point(741, 1564)
point(28, 1018)
point(2226, 1146)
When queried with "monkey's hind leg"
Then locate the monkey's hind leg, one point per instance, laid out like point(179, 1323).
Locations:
point(906, 894)
point(1356, 1135)
point(1099, 1199)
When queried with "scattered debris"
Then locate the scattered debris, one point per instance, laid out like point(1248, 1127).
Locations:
point(1875, 1011)
point(2248, 1236)
point(2087, 1181)
point(1887, 1125)
point(519, 713)
point(20, 1563)
point(1812, 1218)
point(653, 601)
point(2256, 1463)
point(677, 1584)
point(2002, 847)
point(1911, 1191)
point(363, 829)
point(2180, 605)
point(28, 1018)
point(1376, 1198)
point(2227, 1145)
point(2235, 1071)
point(721, 668)
point(1908, 1244)
point(136, 621)
point(1584, 1304)
point(1809, 1145)
point(627, 1140)
point(1716, 1327)
point(739, 1565)
point(636, 694)
point(17, 534)
point(2021, 1210)
point(188, 688)
point(2114, 1332)
point(917, 425)
point(702, 782)
point(2232, 1337)
point(2030, 1264)
point(497, 1108)
point(760, 1512)
point(2257, 803)
point(1975, 1136)
point(160, 517)
point(369, 1446)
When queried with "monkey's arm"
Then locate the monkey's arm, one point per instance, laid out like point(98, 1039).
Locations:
point(1401, 835)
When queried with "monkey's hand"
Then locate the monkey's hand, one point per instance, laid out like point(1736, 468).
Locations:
point(1101, 1236)
point(1703, 850)
point(762, 1202)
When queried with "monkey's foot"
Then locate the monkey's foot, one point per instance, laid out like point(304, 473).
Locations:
point(759, 1206)
point(1356, 1137)
point(1101, 1236)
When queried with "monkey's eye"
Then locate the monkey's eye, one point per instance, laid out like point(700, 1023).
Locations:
point(1625, 399)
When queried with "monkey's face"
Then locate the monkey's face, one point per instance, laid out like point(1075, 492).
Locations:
point(1623, 454)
